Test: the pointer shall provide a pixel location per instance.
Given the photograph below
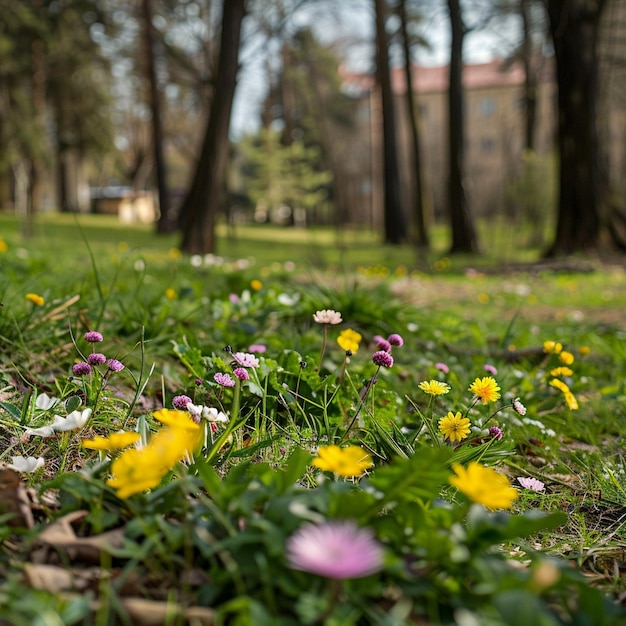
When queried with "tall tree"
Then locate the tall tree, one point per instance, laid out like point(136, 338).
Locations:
point(530, 76)
point(394, 218)
point(464, 238)
point(165, 223)
point(325, 114)
point(206, 193)
point(419, 207)
point(78, 80)
point(586, 221)
point(23, 158)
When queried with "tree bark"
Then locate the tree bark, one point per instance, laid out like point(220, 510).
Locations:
point(394, 219)
point(530, 77)
point(464, 238)
point(206, 193)
point(37, 166)
point(584, 221)
point(419, 207)
point(165, 224)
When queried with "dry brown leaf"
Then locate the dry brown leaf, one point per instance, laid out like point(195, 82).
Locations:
point(61, 536)
point(48, 577)
point(14, 499)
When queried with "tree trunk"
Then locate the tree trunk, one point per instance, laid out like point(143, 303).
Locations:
point(583, 221)
point(419, 208)
point(165, 223)
point(394, 219)
point(464, 239)
point(530, 77)
point(206, 193)
point(37, 166)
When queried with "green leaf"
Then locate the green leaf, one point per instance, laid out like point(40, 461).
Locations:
point(14, 411)
point(519, 607)
point(488, 528)
point(72, 403)
point(420, 476)
point(298, 462)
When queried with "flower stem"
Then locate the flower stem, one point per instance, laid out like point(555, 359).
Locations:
point(364, 394)
point(324, 340)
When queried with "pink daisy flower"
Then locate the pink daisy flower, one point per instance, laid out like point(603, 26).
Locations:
point(336, 549)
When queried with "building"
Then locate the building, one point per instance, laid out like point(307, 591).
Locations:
point(494, 132)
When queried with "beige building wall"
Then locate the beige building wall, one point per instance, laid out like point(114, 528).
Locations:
point(494, 138)
point(494, 134)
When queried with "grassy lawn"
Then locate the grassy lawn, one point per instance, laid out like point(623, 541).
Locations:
point(462, 537)
point(320, 247)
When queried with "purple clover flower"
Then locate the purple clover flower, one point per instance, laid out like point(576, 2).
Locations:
point(198, 382)
point(490, 369)
point(395, 340)
point(96, 358)
point(337, 550)
point(115, 365)
point(496, 433)
point(257, 347)
point(226, 380)
point(181, 402)
point(442, 367)
point(93, 336)
point(382, 359)
point(81, 369)
point(241, 373)
point(383, 344)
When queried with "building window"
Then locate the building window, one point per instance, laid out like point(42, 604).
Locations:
point(487, 107)
point(487, 145)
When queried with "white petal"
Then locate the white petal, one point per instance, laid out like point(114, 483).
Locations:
point(76, 419)
point(45, 402)
point(194, 409)
point(43, 431)
point(26, 464)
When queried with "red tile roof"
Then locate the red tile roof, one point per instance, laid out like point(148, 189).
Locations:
point(496, 73)
point(475, 76)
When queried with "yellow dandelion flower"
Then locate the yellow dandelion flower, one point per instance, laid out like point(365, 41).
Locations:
point(570, 400)
point(486, 389)
point(36, 299)
point(559, 384)
point(170, 293)
point(483, 298)
point(256, 284)
point(552, 347)
point(3, 245)
point(174, 417)
point(454, 426)
point(173, 444)
point(561, 371)
point(135, 471)
point(566, 357)
point(584, 350)
point(350, 461)
point(434, 387)
point(484, 485)
point(174, 253)
point(122, 246)
point(349, 340)
point(115, 441)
